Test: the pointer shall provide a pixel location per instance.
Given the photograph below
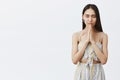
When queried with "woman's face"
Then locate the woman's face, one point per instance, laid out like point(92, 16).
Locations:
point(89, 17)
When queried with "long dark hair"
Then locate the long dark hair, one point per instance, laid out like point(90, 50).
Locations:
point(98, 25)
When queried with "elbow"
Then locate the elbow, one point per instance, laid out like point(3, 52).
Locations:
point(74, 61)
point(103, 62)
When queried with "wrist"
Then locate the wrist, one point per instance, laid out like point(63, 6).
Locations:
point(93, 43)
point(86, 42)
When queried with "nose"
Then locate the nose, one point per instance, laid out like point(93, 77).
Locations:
point(90, 19)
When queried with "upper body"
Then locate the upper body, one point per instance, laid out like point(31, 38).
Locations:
point(91, 34)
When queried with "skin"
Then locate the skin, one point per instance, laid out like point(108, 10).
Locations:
point(89, 35)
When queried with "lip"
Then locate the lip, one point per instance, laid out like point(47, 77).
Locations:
point(90, 23)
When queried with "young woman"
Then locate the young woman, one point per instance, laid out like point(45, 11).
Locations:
point(90, 46)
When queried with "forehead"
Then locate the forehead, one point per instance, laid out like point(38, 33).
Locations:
point(90, 11)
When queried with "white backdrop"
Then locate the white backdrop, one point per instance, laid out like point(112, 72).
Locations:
point(36, 37)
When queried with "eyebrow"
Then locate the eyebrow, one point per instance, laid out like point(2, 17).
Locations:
point(89, 14)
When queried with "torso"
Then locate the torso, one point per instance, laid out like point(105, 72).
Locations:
point(98, 36)
point(98, 40)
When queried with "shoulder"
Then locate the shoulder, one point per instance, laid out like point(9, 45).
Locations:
point(104, 36)
point(76, 35)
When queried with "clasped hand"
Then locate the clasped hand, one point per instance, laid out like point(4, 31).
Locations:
point(90, 36)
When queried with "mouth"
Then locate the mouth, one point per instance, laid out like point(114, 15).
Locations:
point(90, 23)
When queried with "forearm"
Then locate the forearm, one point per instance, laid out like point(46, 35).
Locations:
point(78, 56)
point(99, 54)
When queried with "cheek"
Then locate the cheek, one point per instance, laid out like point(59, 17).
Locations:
point(85, 20)
point(94, 20)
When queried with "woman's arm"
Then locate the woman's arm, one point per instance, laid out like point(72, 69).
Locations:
point(77, 54)
point(102, 55)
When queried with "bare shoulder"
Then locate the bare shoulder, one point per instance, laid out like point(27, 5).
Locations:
point(77, 35)
point(104, 36)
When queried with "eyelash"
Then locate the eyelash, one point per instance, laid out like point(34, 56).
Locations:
point(91, 16)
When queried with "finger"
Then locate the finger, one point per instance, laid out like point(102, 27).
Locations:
point(90, 34)
point(90, 25)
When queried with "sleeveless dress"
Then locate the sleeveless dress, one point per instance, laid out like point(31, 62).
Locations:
point(88, 70)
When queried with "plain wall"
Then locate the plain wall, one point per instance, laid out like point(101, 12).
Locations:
point(36, 38)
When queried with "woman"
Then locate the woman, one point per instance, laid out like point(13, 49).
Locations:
point(90, 46)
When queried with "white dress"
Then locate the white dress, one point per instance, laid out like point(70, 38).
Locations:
point(89, 71)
